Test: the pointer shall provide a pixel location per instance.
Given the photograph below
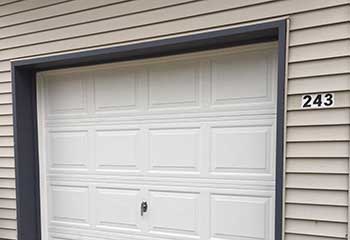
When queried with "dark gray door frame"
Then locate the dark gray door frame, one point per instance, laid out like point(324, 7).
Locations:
point(25, 109)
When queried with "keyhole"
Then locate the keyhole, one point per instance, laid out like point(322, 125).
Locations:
point(144, 207)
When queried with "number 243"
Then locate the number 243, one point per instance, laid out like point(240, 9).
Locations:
point(318, 100)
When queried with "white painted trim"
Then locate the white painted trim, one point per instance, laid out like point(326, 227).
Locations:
point(42, 152)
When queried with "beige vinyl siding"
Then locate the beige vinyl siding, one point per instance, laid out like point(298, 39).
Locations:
point(319, 84)
point(327, 117)
point(317, 165)
point(6, 2)
point(6, 98)
point(25, 6)
point(7, 193)
point(97, 14)
point(302, 229)
point(317, 197)
point(7, 162)
point(317, 141)
point(318, 133)
point(5, 77)
point(51, 9)
point(314, 51)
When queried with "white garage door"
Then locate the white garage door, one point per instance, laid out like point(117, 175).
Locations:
point(191, 136)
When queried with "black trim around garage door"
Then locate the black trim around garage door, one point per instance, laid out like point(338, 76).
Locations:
point(25, 112)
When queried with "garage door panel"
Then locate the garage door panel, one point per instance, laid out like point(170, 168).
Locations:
point(208, 149)
point(67, 94)
point(200, 85)
point(173, 84)
point(67, 149)
point(118, 149)
point(69, 205)
point(245, 148)
point(116, 209)
point(174, 213)
point(115, 90)
point(237, 217)
point(234, 82)
point(228, 152)
point(174, 149)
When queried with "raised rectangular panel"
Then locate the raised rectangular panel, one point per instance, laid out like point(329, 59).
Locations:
point(117, 149)
point(174, 213)
point(68, 149)
point(241, 149)
point(69, 204)
point(115, 89)
point(241, 79)
point(173, 85)
point(174, 149)
point(67, 93)
point(118, 208)
point(238, 217)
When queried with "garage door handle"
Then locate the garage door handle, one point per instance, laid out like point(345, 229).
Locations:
point(144, 207)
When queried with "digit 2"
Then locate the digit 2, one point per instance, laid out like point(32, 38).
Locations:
point(307, 102)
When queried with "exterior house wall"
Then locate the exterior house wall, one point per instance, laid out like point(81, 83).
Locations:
point(317, 141)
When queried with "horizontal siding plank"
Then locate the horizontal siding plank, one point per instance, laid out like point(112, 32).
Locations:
point(317, 181)
point(318, 117)
point(5, 77)
point(316, 228)
point(5, 98)
point(320, 34)
point(319, 213)
point(319, 84)
point(6, 130)
point(7, 183)
point(341, 100)
point(27, 5)
point(167, 28)
point(5, 87)
point(318, 133)
point(7, 203)
point(319, 51)
point(320, 17)
point(6, 142)
point(7, 193)
point(307, 237)
point(8, 233)
point(332, 166)
point(90, 12)
point(317, 197)
point(8, 224)
point(5, 66)
point(7, 162)
point(7, 173)
point(6, 108)
point(7, 213)
point(6, 151)
point(67, 7)
point(319, 68)
point(317, 150)
point(6, 119)
point(6, 2)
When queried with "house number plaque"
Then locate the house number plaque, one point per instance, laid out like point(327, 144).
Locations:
point(321, 100)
